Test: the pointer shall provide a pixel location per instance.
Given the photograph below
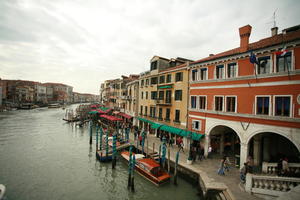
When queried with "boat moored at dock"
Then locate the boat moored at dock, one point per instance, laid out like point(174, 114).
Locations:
point(149, 168)
point(54, 105)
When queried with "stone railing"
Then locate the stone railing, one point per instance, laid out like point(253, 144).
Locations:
point(273, 186)
point(271, 168)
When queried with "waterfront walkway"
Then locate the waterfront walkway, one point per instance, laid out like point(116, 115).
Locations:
point(207, 169)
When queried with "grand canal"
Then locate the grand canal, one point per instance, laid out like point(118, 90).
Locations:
point(42, 157)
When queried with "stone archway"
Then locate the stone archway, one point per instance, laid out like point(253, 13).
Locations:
point(270, 147)
point(224, 140)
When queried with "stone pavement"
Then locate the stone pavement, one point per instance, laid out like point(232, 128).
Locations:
point(207, 169)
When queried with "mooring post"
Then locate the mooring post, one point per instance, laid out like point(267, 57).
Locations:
point(97, 129)
point(159, 155)
point(106, 144)
point(176, 165)
point(91, 132)
point(100, 139)
point(132, 176)
point(147, 147)
point(114, 161)
point(153, 147)
point(169, 159)
point(143, 142)
point(129, 168)
point(164, 151)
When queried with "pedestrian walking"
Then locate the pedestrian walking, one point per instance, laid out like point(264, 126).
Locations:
point(243, 173)
point(171, 141)
point(180, 145)
point(227, 164)
point(209, 152)
point(221, 170)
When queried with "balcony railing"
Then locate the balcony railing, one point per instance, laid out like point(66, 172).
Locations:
point(271, 168)
point(163, 102)
point(271, 186)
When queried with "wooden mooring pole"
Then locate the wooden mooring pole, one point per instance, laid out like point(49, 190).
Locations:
point(168, 159)
point(176, 165)
point(91, 132)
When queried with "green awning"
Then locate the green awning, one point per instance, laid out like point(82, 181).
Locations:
point(103, 108)
point(155, 125)
point(164, 86)
point(145, 120)
point(171, 129)
point(93, 112)
point(192, 135)
point(197, 136)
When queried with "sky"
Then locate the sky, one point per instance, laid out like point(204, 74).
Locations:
point(84, 42)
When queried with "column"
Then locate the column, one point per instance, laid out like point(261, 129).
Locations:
point(256, 150)
point(221, 143)
point(266, 152)
point(206, 145)
point(243, 154)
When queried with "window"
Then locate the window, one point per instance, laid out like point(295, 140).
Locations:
point(202, 102)
point(161, 95)
point(146, 95)
point(146, 111)
point(162, 79)
point(194, 75)
point(218, 103)
point(262, 105)
point(160, 113)
point(153, 80)
point(152, 111)
point(264, 65)
point(142, 83)
point(177, 116)
point(167, 114)
point(142, 95)
point(230, 104)
point(284, 63)
point(178, 95)
point(153, 65)
point(141, 110)
point(282, 106)
point(196, 125)
point(169, 78)
point(168, 96)
point(147, 82)
point(203, 74)
point(178, 76)
point(193, 102)
point(153, 95)
point(220, 71)
point(231, 70)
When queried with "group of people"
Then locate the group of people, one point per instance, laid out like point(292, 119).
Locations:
point(224, 165)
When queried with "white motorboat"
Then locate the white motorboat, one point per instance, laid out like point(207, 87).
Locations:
point(2, 191)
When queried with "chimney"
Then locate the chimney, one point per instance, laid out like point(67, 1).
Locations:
point(274, 31)
point(245, 32)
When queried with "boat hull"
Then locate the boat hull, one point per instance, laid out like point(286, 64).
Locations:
point(102, 157)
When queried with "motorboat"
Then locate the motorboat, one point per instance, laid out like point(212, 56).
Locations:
point(148, 168)
point(2, 191)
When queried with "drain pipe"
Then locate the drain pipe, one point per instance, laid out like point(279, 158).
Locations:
point(189, 161)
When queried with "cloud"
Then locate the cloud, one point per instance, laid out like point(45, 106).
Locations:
point(82, 43)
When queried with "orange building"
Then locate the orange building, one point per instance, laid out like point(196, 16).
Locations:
point(250, 108)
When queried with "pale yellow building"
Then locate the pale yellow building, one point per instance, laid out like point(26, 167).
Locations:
point(163, 97)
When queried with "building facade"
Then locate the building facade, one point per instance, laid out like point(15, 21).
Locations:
point(247, 101)
point(163, 98)
point(132, 100)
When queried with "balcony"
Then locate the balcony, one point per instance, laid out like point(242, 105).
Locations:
point(167, 119)
point(176, 121)
point(166, 102)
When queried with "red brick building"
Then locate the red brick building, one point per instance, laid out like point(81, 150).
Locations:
point(250, 109)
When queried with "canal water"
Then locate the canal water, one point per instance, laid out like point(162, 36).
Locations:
point(42, 157)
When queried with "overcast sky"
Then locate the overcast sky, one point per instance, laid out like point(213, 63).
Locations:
point(84, 42)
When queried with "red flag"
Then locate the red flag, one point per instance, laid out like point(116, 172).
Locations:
point(282, 52)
